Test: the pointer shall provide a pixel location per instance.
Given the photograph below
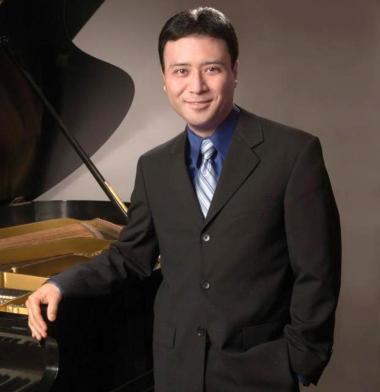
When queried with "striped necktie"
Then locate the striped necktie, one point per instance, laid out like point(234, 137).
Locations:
point(205, 181)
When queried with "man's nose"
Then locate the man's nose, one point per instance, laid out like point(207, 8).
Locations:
point(197, 83)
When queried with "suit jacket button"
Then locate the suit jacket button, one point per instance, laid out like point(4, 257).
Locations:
point(206, 237)
point(206, 285)
point(201, 331)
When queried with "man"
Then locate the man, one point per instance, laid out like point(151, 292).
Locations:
point(242, 212)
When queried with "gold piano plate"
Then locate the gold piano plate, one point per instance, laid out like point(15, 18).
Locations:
point(15, 289)
point(10, 280)
point(16, 286)
point(31, 253)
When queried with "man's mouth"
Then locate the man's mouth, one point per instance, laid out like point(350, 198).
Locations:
point(198, 104)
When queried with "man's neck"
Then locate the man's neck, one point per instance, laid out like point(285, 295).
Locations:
point(203, 133)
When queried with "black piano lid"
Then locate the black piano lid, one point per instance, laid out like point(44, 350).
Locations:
point(91, 96)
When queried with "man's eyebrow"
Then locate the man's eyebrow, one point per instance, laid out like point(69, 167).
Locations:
point(179, 65)
point(212, 62)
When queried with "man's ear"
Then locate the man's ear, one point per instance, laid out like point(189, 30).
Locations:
point(235, 70)
point(163, 80)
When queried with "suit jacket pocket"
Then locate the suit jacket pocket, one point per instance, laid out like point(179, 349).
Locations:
point(261, 333)
point(164, 334)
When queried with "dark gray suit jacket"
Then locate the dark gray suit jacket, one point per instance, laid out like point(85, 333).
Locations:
point(248, 294)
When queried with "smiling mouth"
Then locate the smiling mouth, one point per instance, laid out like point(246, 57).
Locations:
point(198, 103)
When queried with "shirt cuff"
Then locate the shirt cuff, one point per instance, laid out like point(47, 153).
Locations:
point(302, 380)
point(52, 281)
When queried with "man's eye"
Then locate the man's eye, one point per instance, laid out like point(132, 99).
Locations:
point(212, 69)
point(180, 71)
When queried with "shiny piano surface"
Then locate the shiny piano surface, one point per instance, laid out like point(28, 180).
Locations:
point(25, 364)
point(96, 344)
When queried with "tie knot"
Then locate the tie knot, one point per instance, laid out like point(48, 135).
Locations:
point(207, 149)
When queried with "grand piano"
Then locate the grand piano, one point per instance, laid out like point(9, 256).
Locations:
point(53, 116)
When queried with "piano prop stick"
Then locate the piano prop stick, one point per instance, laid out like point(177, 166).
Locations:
point(108, 190)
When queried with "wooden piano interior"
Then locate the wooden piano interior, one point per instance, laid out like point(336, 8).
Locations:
point(98, 343)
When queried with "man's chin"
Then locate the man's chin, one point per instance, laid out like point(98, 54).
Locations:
point(199, 117)
point(202, 127)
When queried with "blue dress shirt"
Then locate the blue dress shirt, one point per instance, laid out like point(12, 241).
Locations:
point(221, 139)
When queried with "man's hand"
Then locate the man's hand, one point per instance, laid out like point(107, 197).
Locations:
point(49, 295)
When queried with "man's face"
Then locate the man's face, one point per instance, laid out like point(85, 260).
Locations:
point(199, 81)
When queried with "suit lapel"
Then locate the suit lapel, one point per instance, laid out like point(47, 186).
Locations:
point(240, 162)
point(181, 181)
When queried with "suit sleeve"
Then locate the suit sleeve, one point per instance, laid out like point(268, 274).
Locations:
point(134, 254)
point(314, 244)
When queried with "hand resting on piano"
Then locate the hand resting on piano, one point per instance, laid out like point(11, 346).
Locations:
point(50, 295)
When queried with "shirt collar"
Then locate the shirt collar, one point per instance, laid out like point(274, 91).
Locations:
point(221, 137)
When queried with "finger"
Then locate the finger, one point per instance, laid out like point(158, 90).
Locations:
point(52, 309)
point(35, 328)
point(35, 333)
point(35, 315)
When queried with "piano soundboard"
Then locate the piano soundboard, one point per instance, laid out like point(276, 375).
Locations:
point(7, 295)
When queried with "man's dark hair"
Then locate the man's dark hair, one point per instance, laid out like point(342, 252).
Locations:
point(199, 21)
